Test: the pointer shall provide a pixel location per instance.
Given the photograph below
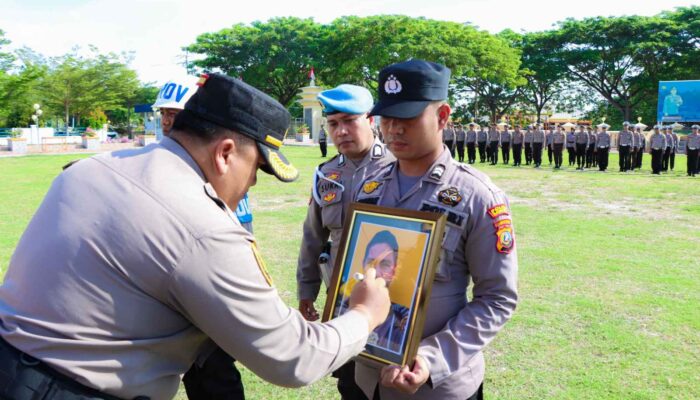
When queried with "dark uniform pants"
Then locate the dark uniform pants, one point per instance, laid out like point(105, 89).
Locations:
point(572, 155)
point(324, 147)
point(656, 161)
point(603, 158)
point(640, 154)
point(589, 155)
point(460, 150)
point(217, 379)
point(451, 145)
point(633, 158)
point(550, 152)
point(348, 389)
point(471, 152)
point(494, 152)
point(624, 152)
point(558, 154)
point(528, 153)
point(692, 156)
point(517, 153)
point(505, 151)
point(479, 395)
point(537, 153)
point(672, 159)
point(667, 155)
point(23, 377)
point(482, 151)
point(580, 154)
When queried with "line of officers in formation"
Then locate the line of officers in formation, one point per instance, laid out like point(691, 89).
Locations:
point(586, 148)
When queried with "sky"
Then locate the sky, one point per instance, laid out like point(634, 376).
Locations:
point(156, 30)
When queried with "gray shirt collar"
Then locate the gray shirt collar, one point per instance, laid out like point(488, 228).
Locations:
point(177, 149)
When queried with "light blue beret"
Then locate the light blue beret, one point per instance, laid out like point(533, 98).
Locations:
point(350, 99)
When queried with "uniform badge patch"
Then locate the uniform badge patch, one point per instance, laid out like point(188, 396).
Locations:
point(261, 263)
point(370, 187)
point(504, 239)
point(392, 85)
point(450, 197)
point(437, 172)
point(499, 209)
point(329, 197)
point(334, 176)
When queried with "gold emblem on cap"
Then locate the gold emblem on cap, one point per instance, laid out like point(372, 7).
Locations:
point(283, 170)
point(273, 141)
point(202, 80)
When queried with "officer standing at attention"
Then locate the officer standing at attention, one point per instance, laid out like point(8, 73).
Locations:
point(538, 140)
point(494, 139)
point(658, 146)
point(346, 108)
point(624, 142)
point(634, 148)
point(669, 144)
point(693, 148)
point(482, 139)
point(590, 151)
point(461, 136)
point(527, 139)
point(448, 136)
point(471, 143)
point(550, 147)
point(581, 147)
point(558, 141)
point(87, 319)
point(323, 142)
point(642, 148)
point(478, 245)
point(517, 146)
point(674, 147)
point(571, 146)
point(603, 146)
point(505, 144)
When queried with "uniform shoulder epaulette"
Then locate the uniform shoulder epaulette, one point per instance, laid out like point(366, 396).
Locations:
point(328, 161)
point(480, 177)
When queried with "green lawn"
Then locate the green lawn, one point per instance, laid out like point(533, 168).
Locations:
point(609, 276)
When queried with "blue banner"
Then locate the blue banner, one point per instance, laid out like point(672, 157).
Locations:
point(679, 101)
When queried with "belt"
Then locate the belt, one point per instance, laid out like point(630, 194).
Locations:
point(23, 377)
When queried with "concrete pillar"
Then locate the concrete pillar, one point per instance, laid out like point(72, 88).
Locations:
point(313, 112)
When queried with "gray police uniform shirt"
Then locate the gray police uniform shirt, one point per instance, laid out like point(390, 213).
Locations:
point(129, 287)
point(528, 136)
point(517, 137)
point(635, 140)
point(505, 136)
point(603, 140)
point(625, 138)
point(478, 245)
point(461, 135)
point(483, 136)
point(558, 138)
point(582, 138)
point(448, 134)
point(471, 136)
point(324, 218)
point(538, 136)
point(592, 139)
point(693, 141)
point(674, 148)
point(494, 136)
point(570, 139)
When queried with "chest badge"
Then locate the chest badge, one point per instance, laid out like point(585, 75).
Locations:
point(450, 197)
point(370, 187)
point(329, 197)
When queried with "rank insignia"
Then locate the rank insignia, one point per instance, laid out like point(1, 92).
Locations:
point(504, 239)
point(261, 263)
point(370, 187)
point(330, 197)
point(497, 210)
point(450, 197)
point(334, 176)
point(437, 172)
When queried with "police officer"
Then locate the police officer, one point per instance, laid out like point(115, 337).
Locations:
point(505, 144)
point(133, 287)
point(323, 142)
point(548, 136)
point(582, 141)
point(478, 245)
point(460, 135)
point(669, 144)
point(558, 142)
point(571, 146)
point(538, 140)
point(517, 146)
point(634, 148)
point(603, 146)
point(481, 141)
point(527, 139)
point(674, 147)
point(494, 141)
point(448, 136)
point(590, 151)
point(693, 148)
point(471, 143)
point(642, 147)
point(346, 108)
point(624, 142)
point(658, 146)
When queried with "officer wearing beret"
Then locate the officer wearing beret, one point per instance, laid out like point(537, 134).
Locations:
point(658, 146)
point(134, 286)
point(346, 108)
point(471, 143)
point(478, 247)
point(693, 148)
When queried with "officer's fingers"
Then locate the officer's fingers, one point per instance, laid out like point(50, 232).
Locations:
point(380, 282)
point(388, 375)
point(370, 274)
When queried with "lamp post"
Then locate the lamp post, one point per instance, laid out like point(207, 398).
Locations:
point(35, 118)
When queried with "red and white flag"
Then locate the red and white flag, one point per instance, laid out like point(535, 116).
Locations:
point(311, 74)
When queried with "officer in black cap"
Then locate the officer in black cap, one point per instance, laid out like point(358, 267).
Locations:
point(478, 247)
point(139, 283)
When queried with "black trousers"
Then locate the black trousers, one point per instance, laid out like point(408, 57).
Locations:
point(324, 147)
point(494, 152)
point(479, 395)
point(537, 153)
point(572, 155)
point(624, 152)
point(550, 152)
point(217, 379)
point(528, 153)
point(672, 159)
point(558, 151)
point(580, 154)
point(640, 154)
point(657, 156)
point(667, 156)
point(348, 389)
point(692, 162)
point(634, 153)
point(603, 158)
point(482, 151)
point(471, 152)
point(517, 153)
point(505, 151)
point(451, 145)
point(589, 155)
point(460, 150)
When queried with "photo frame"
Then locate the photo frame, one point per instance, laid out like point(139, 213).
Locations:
point(404, 247)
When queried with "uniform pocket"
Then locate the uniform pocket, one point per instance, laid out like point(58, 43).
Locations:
point(447, 254)
point(332, 215)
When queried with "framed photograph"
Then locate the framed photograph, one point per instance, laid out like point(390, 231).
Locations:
point(404, 247)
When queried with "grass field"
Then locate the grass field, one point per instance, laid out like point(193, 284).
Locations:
point(609, 276)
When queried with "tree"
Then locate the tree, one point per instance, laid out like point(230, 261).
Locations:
point(6, 59)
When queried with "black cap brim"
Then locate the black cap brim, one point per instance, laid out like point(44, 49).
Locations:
point(399, 109)
point(277, 164)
